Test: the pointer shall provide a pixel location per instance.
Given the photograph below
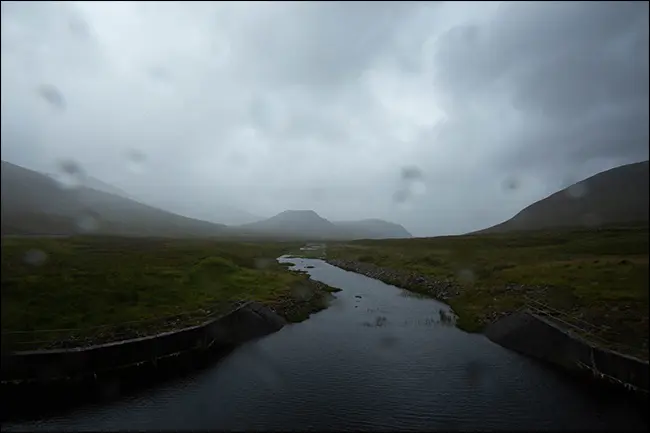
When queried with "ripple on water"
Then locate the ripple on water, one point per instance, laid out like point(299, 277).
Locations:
point(333, 373)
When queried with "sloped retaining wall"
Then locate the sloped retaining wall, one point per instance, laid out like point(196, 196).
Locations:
point(539, 338)
point(250, 320)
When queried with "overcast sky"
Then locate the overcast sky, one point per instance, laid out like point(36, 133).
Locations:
point(445, 117)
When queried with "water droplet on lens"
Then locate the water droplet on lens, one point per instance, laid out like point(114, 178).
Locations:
point(35, 257)
point(263, 263)
point(510, 184)
point(70, 174)
point(577, 190)
point(411, 173)
point(466, 275)
point(87, 222)
point(412, 184)
point(591, 220)
point(136, 160)
point(388, 342)
point(400, 196)
point(52, 96)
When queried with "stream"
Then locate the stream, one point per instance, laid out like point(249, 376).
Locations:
point(379, 358)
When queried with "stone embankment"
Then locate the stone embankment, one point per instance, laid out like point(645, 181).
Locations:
point(248, 321)
point(442, 289)
point(537, 337)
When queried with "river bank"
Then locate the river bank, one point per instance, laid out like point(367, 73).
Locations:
point(377, 359)
point(556, 344)
point(62, 378)
point(79, 292)
point(598, 278)
point(445, 290)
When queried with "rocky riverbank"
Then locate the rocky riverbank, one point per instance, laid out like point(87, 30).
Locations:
point(307, 297)
point(445, 290)
point(439, 289)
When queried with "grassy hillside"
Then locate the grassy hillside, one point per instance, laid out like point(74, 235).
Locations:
point(599, 276)
point(372, 229)
point(615, 196)
point(158, 284)
point(33, 203)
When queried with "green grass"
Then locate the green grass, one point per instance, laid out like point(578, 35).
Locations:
point(600, 276)
point(87, 282)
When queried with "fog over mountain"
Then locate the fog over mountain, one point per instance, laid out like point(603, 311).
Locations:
point(440, 117)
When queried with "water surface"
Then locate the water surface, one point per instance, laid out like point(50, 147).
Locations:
point(377, 359)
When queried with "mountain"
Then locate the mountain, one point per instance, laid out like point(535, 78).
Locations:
point(307, 223)
point(295, 223)
point(34, 203)
point(373, 229)
point(203, 210)
point(213, 211)
point(98, 185)
point(616, 196)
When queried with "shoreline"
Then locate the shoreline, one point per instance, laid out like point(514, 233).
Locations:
point(63, 378)
point(517, 329)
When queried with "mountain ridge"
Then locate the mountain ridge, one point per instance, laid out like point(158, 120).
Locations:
point(34, 203)
point(615, 196)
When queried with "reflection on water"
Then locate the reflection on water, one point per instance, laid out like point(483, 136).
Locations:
point(375, 360)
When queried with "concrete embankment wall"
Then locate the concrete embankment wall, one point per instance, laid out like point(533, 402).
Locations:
point(539, 338)
point(250, 320)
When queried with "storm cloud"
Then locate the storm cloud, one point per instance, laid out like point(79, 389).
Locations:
point(268, 106)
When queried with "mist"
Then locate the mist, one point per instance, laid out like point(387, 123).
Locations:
point(445, 117)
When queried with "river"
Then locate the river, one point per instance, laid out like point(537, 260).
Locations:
point(379, 358)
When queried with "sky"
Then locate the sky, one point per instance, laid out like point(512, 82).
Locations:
point(445, 117)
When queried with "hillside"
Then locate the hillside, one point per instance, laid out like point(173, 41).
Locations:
point(613, 197)
point(307, 223)
point(373, 229)
point(33, 203)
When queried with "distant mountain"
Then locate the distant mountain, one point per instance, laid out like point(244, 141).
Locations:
point(34, 203)
point(214, 212)
point(303, 223)
point(616, 196)
point(307, 223)
point(373, 229)
point(205, 211)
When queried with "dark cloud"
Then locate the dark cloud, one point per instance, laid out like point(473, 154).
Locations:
point(326, 105)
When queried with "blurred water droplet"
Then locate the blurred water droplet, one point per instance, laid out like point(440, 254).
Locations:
point(510, 184)
point(159, 73)
point(70, 174)
point(475, 373)
point(388, 342)
point(52, 96)
point(78, 27)
point(263, 263)
point(401, 196)
point(301, 292)
point(87, 222)
point(466, 275)
point(577, 190)
point(411, 173)
point(35, 257)
point(136, 160)
point(591, 220)
point(413, 185)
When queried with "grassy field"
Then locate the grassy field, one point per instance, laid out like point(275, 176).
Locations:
point(85, 282)
point(599, 276)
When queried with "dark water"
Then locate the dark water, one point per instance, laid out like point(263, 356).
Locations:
point(381, 361)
